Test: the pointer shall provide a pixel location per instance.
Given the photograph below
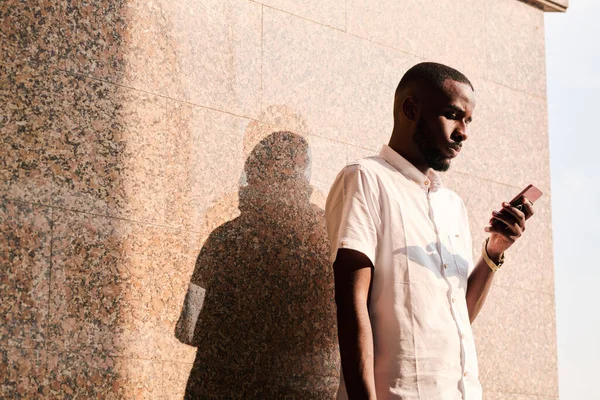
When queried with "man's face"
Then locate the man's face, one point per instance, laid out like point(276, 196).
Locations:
point(442, 126)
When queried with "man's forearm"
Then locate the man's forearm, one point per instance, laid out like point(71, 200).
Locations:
point(480, 282)
point(356, 350)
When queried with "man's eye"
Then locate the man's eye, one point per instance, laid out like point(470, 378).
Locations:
point(450, 115)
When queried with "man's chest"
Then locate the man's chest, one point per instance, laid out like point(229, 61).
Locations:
point(424, 236)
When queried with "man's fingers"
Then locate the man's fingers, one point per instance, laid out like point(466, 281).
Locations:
point(504, 230)
point(516, 212)
point(506, 217)
point(512, 219)
point(512, 225)
point(527, 208)
point(510, 231)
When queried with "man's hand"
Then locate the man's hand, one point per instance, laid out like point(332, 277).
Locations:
point(503, 236)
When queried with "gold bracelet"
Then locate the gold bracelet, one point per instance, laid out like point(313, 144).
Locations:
point(493, 266)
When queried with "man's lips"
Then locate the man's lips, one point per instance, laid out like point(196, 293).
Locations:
point(453, 151)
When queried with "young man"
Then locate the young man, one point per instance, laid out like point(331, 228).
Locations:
point(406, 286)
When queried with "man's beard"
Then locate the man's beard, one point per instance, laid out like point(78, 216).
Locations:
point(433, 156)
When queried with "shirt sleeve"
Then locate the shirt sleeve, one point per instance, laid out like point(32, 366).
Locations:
point(352, 214)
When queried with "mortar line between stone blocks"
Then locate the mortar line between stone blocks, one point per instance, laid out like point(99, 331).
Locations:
point(304, 18)
point(346, 32)
point(484, 179)
point(486, 20)
point(262, 62)
point(493, 181)
point(175, 228)
point(163, 378)
point(541, 396)
point(421, 58)
point(74, 73)
point(25, 202)
point(347, 154)
point(136, 358)
point(339, 141)
point(346, 13)
point(537, 96)
point(308, 134)
point(206, 107)
point(12, 346)
point(61, 39)
point(121, 357)
point(50, 268)
point(523, 289)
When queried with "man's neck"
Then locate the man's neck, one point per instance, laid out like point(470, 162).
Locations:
point(411, 154)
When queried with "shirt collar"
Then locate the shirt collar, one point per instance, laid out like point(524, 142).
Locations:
point(429, 182)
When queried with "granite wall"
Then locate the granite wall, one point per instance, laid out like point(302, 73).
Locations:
point(154, 149)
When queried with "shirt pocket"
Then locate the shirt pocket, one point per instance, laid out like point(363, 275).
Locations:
point(459, 253)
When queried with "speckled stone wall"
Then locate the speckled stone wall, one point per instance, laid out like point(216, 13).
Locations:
point(164, 167)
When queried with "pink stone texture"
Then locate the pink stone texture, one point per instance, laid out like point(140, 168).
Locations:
point(166, 164)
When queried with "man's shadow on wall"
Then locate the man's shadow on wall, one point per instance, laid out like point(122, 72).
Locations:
point(260, 306)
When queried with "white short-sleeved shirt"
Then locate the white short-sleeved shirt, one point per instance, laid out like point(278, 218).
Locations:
point(416, 233)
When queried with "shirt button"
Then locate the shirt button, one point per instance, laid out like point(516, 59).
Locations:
point(453, 299)
point(344, 243)
point(426, 182)
point(466, 373)
point(445, 265)
point(457, 235)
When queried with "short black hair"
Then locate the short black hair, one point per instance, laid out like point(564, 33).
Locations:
point(433, 74)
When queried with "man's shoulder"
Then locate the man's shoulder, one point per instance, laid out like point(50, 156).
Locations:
point(365, 170)
point(371, 166)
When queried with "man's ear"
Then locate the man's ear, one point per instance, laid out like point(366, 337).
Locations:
point(410, 108)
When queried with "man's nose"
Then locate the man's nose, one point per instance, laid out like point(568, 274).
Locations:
point(462, 130)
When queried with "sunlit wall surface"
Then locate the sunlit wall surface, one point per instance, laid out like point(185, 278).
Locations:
point(164, 169)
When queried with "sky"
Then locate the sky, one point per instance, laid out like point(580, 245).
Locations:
point(572, 69)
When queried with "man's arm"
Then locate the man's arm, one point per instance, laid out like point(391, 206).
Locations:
point(479, 284)
point(501, 238)
point(353, 273)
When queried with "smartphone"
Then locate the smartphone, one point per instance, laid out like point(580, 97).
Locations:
point(531, 193)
